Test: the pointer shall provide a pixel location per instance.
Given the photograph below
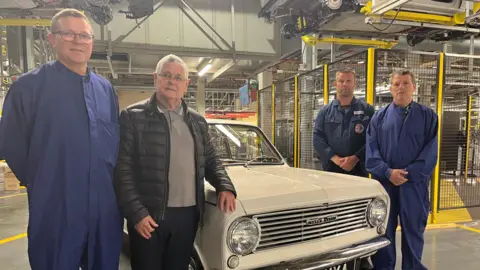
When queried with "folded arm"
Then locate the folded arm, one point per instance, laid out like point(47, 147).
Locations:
point(374, 161)
point(125, 188)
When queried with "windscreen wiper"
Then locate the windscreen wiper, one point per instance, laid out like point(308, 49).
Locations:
point(260, 159)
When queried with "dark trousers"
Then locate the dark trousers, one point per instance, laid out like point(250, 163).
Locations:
point(171, 244)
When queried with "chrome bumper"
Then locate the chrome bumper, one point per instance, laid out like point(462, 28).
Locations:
point(334, 258)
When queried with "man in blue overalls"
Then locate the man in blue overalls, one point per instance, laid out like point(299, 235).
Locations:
point(401, 153)
point(340, 127)
point(339, 135)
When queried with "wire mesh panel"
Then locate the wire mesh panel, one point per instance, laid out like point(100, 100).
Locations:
point(459, 148)
point(311, 101)
point(265, 110)
point(423, 65)
point(284, 119)
point(357, 62)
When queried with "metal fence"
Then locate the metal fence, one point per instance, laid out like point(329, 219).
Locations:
point(423, 65)
point(265, 110)
point(311, 89)
point(357, 62)
point(284, 118)
point(456, 179)
point(460, 138)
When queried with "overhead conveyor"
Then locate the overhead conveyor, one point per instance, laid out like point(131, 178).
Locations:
point(419, 20)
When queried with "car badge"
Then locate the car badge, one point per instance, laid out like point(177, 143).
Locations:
point(317, 221)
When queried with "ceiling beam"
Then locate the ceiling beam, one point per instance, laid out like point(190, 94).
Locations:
point(162, 50)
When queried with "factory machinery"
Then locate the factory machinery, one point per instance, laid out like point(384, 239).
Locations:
point(418, 20)
point(99, 10)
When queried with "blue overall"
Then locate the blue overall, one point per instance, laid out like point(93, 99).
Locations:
point(59, 135)
point(341, 132)
point(403, 138)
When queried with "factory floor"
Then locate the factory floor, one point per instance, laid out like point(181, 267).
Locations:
point(445, 249)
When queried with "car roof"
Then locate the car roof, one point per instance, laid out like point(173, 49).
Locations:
point(228, 122)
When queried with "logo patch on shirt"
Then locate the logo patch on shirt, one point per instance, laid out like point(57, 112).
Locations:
point(359, 128)
point(358, 113)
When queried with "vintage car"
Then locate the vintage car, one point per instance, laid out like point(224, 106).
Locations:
point(286, 218)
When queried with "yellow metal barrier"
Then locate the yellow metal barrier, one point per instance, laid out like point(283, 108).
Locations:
point(370, 77)
point(325, 84)
point(458, 18)
point(384, 44)
point(273, 114)
point(25, 22)
point(436, 175)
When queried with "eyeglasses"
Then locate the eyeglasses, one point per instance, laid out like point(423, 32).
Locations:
point(68, 36)
point(168, 76)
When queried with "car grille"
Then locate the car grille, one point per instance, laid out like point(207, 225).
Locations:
point(299, 225)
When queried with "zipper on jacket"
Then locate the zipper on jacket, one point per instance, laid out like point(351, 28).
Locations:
point(167, 170)
point(195, 145)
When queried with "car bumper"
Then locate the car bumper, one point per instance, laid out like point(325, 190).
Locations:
point(337, 257)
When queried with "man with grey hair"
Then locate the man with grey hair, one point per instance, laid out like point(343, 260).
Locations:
point(165, 153)
point(59, 135)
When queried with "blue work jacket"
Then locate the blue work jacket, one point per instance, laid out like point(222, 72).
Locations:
point(341, 132)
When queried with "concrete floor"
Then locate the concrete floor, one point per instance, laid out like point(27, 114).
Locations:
point(445, 249)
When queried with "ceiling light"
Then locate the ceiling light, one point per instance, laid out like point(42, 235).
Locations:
point(204, 70)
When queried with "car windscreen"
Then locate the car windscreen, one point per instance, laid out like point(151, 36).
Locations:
point(242, 144)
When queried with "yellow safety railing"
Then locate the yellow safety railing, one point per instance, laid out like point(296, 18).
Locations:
point(436, 174)
point(316, 85)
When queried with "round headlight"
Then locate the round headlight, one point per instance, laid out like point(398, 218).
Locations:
point(243, 236)
point(377, 212)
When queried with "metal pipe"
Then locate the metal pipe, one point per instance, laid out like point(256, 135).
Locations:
point(129, 63)
point(24, 22)
point(472, 52)
point(122, 37)
point(23, 34)
point(205, 22)
point(467, 128)
point(232, 6)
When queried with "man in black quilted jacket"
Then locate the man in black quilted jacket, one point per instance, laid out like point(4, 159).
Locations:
point(165, 153)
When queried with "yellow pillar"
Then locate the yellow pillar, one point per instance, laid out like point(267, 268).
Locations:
point(273, 114)
point(436, 175)
point(370, 91)
point(325, 84)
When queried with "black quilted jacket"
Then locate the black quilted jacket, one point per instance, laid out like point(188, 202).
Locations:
point(141, 173)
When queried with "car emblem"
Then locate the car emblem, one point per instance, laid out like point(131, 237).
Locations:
point(317, 221)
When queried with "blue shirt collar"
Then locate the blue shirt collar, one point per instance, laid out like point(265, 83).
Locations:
point(336, 103)
point(62, 68)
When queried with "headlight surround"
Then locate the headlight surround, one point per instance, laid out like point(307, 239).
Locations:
point(243, 236)
point(377, 212)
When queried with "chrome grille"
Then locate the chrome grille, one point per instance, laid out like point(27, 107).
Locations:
point(306, 224)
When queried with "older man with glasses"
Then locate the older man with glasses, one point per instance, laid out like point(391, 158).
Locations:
point(165, 154)
point(59, 134)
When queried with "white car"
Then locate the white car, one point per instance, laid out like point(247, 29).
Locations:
point(286, 218)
